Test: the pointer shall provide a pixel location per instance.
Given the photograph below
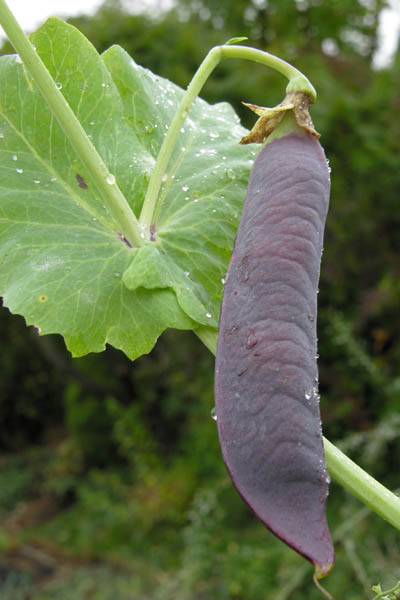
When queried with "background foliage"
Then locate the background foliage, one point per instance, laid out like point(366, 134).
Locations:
point(111, 480)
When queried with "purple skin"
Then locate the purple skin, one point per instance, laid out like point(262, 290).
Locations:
point(266, 375)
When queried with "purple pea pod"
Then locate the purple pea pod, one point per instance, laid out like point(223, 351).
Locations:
point(266, 375)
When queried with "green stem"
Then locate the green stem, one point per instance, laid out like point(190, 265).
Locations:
point(343, 470)
point(113, 198)
point(358, 482)
point(297, 82)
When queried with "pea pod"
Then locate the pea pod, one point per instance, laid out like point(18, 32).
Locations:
point(266, 376)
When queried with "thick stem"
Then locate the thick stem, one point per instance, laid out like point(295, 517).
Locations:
point(115, 201)
point(297, 82)
point(343, 470)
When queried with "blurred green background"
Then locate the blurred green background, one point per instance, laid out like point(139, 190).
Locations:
point(112, 486)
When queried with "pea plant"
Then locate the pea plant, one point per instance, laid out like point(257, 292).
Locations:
point(121, 196)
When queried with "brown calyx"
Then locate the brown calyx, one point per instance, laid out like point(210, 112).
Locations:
point(269, 118)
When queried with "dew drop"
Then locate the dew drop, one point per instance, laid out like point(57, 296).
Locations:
point(91, 122)
point(214, 414)
point(59, 85)
point(19, 170)
point(18, 59)
point(36, 181)
point(110, 179)
point(165, 177)
point(208, 315)
point(223, 280)
point(14, 157)
point(185, 188)
point(103, 84)
point(307, 395)
point(1, 135)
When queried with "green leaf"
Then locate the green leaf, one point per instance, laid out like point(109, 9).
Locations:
point(235, 40)
point(64, 264)
point(152, 268)
point(202, 194)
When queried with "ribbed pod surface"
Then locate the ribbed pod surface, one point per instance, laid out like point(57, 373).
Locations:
point(266, 377)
